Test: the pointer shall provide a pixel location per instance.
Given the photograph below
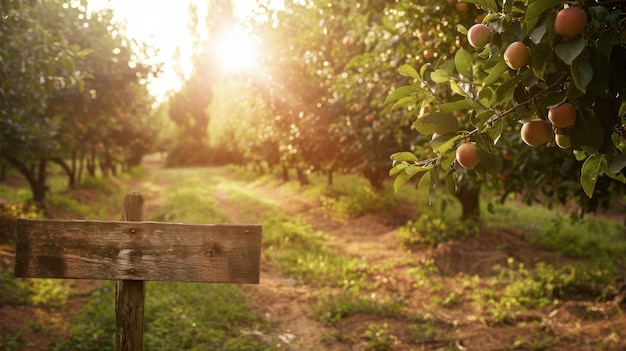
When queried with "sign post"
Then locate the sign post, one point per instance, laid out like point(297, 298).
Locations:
point(133, 251)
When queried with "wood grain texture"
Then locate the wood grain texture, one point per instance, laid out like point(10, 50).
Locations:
point(138, 251)
point(130, 294)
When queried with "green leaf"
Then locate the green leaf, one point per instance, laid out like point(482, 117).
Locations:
point(457, 89)
point(542, 57)
point(582, 72)
point(401, 92)
point(496, 73)
point(587, 134)
point(537, 34)
point(404, 156)
point(424, 181)
point(504, 92)
point(569, 50)
point(403, 102)
point(490, 160)
point(424, 68)
point(486, 97)
point(440, 76)
point(463, 62)
point(489, 5)
point(535, 10)
point(414, 169)
point(400, 180)
point(618, 163)
point(450, 183)
point(465, 104)
point(434, 181)
point(589, 173)
point(408, 71)
point(609, 173)
point(397, 168)
point(436, 122)
point(495, 132)
point(443, 143)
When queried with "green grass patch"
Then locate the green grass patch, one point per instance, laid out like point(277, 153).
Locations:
point(194, 316)
point(12, 291)
point(101, 186)
point(14, 194)
point(588, 238)
point(190, 201)
point(333, 308)
point(298, 250)
point(517, 287)
point(178, 316)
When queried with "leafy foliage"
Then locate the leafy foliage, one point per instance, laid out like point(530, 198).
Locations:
point(471, 95)
point(71, 88)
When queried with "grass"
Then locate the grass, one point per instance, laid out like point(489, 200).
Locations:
point(589, 238)
point(189, 316)
point(213, 316)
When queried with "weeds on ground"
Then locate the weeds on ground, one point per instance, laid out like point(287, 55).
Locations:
point(425, 329)
point(101, 186)
point(334, 308)
point(12, 291)
point(378, 337)
point(357, 201)
point(429, 231)
point(517, 288)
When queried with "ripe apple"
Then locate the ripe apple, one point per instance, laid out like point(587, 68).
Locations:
point(536, 132)
point(467, 155)
point(517, 55)
point(428, 53)
point(479, 35)
point(369, 118)
point(570, 21)
point(562, 116)
point(461, 7)
point(564, 141)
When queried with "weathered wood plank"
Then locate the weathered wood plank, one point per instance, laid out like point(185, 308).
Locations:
point(130, 294)
point(138, 251)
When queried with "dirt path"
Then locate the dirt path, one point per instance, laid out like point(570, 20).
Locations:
point(373, 238)
point(568, 325)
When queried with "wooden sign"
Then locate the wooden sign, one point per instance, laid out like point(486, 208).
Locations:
point(138, 251)
point(133, 251)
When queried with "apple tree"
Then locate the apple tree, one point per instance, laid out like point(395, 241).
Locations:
point(36, 61)
point(538, 90)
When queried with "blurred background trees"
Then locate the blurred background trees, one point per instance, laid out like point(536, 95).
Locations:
point(329, 87)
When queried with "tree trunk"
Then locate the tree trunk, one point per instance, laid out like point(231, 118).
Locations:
point(36, 177)
point(91, 162)
point(69, 171)
point(40, 188)
point(3, 171)
point(376, 178)
point(302, 177)
point(329, 178)
point(469, 197)
point(285, 173)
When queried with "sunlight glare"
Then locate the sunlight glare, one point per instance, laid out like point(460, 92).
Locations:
point(236, 52)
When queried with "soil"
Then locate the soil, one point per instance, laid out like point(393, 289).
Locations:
point(575, 324)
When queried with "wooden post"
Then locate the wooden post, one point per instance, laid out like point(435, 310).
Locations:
point(130, 294)
point(132, 251)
